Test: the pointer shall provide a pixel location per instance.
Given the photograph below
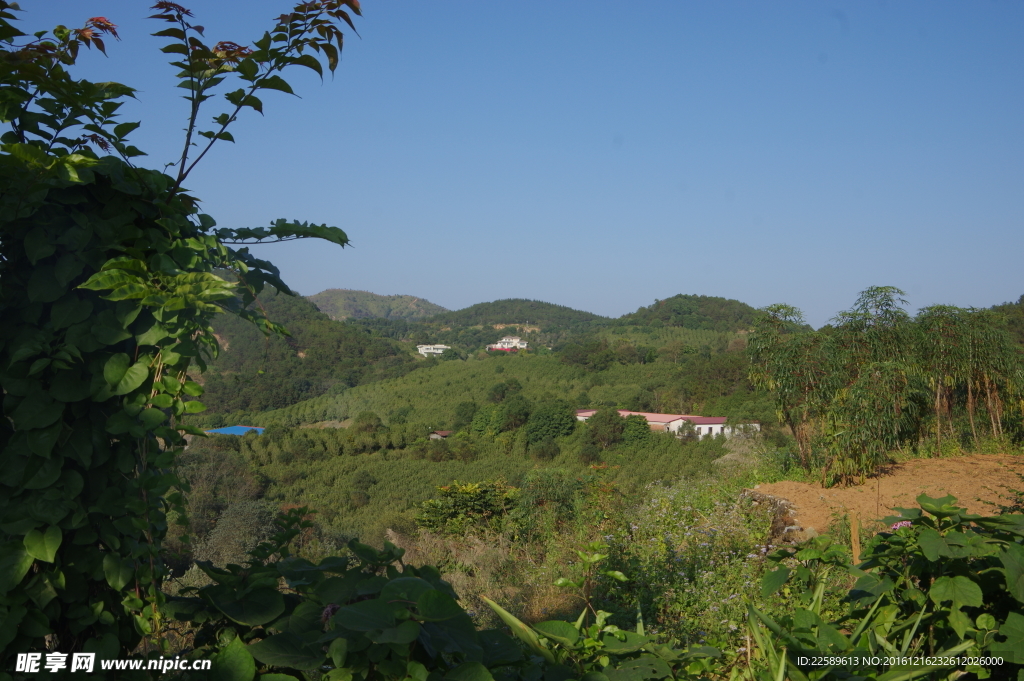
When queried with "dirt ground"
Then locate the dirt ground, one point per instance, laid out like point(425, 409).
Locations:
point(978, 481)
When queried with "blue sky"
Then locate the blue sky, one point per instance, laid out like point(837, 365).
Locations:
point(603, 155)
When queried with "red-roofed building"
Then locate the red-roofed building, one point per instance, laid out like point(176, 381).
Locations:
point(703, 426)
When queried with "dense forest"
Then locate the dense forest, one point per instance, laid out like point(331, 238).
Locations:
point(694, 312)
point(256, 372)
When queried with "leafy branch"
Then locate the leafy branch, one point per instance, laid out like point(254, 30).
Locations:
point(310, 27)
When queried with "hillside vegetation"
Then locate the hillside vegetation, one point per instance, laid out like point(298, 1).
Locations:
point(340, 304)
point(515, 311)
point(254, 372)
point(502, 504)
point(709, 313)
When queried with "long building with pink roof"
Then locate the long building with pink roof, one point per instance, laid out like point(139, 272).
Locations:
point(703, 426)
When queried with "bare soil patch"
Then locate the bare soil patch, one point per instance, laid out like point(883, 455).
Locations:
point(978, 481)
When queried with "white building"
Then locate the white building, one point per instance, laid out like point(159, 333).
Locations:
point(509, 343)
point(428, 350)
point(703, 426)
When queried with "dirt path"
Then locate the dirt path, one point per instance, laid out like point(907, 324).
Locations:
point(977, 481)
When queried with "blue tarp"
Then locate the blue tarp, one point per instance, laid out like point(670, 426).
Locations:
point(236, 430)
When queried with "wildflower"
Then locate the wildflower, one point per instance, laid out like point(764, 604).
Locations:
point(328, 613)
point(901, 524)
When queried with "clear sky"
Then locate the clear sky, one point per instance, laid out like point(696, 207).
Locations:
point(603, 155)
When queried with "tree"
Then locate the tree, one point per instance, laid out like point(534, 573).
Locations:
point(464, 413)
point(866, 385)
point(109, 284)
point(605, 427)
point(636, 431)
point(550, 419)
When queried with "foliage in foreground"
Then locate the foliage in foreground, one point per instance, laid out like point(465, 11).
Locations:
point(107, 294)
point(878, 380)
point(941, 584)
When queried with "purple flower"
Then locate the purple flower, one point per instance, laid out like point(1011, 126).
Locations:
point(901, 524)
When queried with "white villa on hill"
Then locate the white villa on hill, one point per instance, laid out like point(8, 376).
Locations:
point(427, 350)
point(703, 426)
point(509, 343)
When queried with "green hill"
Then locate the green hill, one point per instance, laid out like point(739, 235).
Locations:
point(709, 313)
point(514, 311)
point(340, 304)
point(255, 373)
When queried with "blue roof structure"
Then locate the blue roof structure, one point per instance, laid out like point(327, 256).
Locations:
point(236, 430)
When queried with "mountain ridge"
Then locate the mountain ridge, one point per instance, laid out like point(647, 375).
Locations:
point(340, 304)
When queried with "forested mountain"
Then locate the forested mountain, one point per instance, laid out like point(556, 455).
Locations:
point(322, 356)
point(430, 398)
point(515, 311)
point(339, 304)
point(255, 373)
point(709, 313)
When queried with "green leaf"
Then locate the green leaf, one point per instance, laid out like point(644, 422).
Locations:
point(248, 69)
point(366, 616)
point(43, 545)
point(115, 368)
point(15, 562)
point(233, 663)
point(337, 651)
point(406, 632)
point(194, 407)
point(42, 440)
point(405, 589)
point(436, 606)
point(275, 83)
point(522, 632)
point(151, 418)
point(961, 590)
point(1013, 567)
point(773, 581)
point(69, 310)
point(125, 129)
point(941, 507)
point(44, 475)
point(310, 62)
point(257, 607)
point(117, 571)
point(631, 642)
point(36, 411)
point(642, 668)
point(558, 631)
point(1012, 648)
point(469, 671)
point(287, 650)
point(932, 544)
point(38, 245)
point(135, 376)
